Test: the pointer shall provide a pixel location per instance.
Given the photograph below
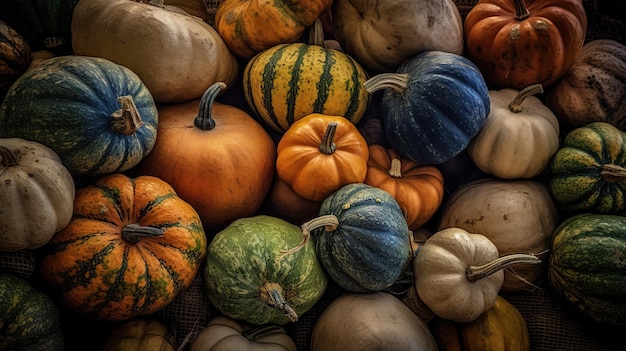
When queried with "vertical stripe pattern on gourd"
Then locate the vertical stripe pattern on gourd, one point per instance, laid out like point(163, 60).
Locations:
point(289, 81)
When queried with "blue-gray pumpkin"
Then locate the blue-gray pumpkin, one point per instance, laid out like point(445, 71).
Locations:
point(432, 106)
point(98, 116)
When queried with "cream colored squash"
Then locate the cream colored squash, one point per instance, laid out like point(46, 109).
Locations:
point(139, 334)
point(381, 35)
point(519, 137)
point(518, 216)
point(176, 55)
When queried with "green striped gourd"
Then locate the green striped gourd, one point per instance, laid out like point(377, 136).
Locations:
point(289, 81)
point(587, 173)
point(587, 266)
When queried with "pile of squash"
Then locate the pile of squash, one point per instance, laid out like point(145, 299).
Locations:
point(396, 166)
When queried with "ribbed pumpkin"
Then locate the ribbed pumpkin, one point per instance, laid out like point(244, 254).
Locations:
point(319, 154)
point(96, 115)
point(587, 172)
point(139, 334)
point(216, 157)
point(517, 43)
point(29, 318)
point(432, 106)
point(361, 238)
point(586, 266)
point(594, 87)
point(289, 81)
point(251, 274)
point(130, 248)
point(251, 26)
point(417, 189)
point(15, 57)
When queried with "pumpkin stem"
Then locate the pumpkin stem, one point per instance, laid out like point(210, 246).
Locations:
point(263, 330)
point(8, 157)
point(135, 232)
point(398, 82)
point(330, 222)
point(396, 168)
point(328, 145)
point(204, 120)
point(613, 173)
point(521, 11)
point(516, 105)
point(127, 119)
point(272, 294)
point(316, 33)
point(52, 42)
point(475, 273)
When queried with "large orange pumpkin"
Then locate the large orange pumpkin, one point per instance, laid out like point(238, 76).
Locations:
point(417, 188)
point(216, 156)
point(518, 43)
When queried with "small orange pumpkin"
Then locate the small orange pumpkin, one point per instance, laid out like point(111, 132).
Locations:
point(319, 154)
point(417, 189)
point(518, 43)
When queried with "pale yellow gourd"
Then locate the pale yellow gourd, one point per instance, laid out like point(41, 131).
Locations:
point(458, 274)
point(519, 137)
point(139, 334)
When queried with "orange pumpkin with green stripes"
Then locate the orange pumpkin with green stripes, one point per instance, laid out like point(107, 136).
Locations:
point(289, 81)
point(130, 248)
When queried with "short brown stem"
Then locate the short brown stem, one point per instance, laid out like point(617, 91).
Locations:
point(398, 82)
point(613, 173)
point(8, 157)
point(521, 11)
point(205, 120)
point(516, 105)
point(127, 119)
point(396, 168)
point(327, 146)
point(135, 232)
point(272, 294)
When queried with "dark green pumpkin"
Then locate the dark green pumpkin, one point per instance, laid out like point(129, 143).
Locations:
point(432, 106)
point(15, 57)
point(588, 172)
point(29, 319)
point(250, 273)
point(72, 105)
point(369, 245)
point(44, 23)
point(587, 266)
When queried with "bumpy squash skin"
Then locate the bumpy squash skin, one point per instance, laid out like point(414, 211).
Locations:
point(579, 180)
point(15, 57)
point(444, 107)
point(587, 266)
point(66, 103)
point(247, 254)
point(29, 319)
point(289, 81)
point(368, 249)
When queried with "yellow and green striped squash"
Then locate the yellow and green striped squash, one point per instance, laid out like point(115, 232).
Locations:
point(289, 81)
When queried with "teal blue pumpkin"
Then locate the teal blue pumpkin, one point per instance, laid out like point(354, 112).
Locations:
point(98, 116)
point(361, 238)
point(432, 106)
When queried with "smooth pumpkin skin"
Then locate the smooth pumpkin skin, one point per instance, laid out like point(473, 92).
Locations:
point(36, 194)
point(251, 26)
point(97, 269)
point(314, 168)
point(289, 81)
point(224, 172)
point(226, 334)
point(500, 328)
point(515, 144)
point(516, 52)
point(586, 266)
point(72, 104)
point(139, 334)
point(586, 173)
point(141, 36)
point(594, 88)
point(369, 322)
point(283, 202)
point(382, 35)
point(30, 319)
point(517, 215)
point(418, 189)
point(15, 57)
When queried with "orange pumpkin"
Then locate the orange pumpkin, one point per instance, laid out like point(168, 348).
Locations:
point(417, 189)
point(284, 203)
point(216, 156)
point(518, 43)
point(319, 154)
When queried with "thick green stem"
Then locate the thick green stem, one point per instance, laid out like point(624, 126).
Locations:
point(135, 232)
point(8, 157)
point(272, 294)
point(521, 11)
point(205, 120)
point(330, 222)
point(516, 105)
point(127, 119)
point(475, 273)
point(613, 173)
point(398, 82)
point(328, 146)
